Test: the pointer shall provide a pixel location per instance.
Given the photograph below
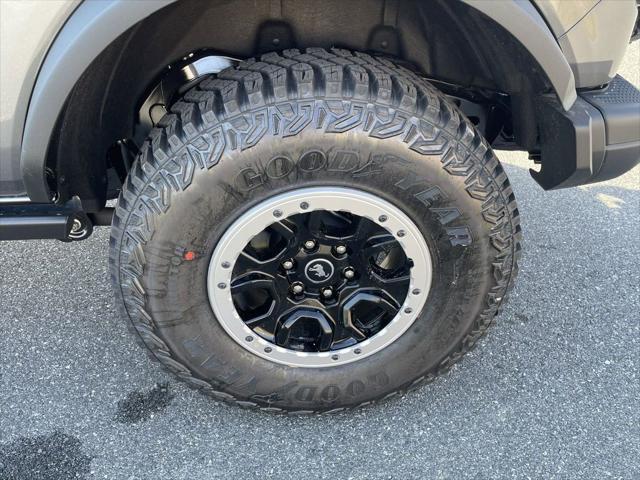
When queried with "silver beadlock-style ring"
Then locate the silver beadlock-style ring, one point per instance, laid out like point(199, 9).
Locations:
point(306, 200)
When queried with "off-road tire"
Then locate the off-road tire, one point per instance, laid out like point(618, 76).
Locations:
point(205, 164)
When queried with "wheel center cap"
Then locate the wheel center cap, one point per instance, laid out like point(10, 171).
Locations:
point(319, 270)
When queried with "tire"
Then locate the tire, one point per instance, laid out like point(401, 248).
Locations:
point(314, 120)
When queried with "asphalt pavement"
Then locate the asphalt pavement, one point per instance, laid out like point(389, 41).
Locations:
point(552, 392)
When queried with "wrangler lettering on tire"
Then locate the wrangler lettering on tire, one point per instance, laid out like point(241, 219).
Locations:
point(352, 234)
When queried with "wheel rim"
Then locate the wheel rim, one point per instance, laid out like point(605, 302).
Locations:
point(319, 277)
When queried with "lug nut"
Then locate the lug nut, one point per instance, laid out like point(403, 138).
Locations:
point(341, 249)
point(287, 264)
point(327, 292)
point(349, 273)
point(309, 244)
point(297, 288)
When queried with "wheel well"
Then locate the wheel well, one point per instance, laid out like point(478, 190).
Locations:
point(448, 41)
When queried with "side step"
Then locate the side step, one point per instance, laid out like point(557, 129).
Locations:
point(31, 221)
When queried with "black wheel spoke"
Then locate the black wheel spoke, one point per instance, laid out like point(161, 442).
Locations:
point(365, 229)
point(349, 331)
point(305, 330)
point(395, 288)
point(256, 298)
point(262, 319)
point(267, 249)
point(247, 263)
point(378, 244)
point(366, 313)
point(386, 259)
point(314, 223)
point(250, 281)
point(286, 230)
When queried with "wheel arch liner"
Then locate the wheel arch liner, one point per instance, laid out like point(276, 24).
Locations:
point(93, 26)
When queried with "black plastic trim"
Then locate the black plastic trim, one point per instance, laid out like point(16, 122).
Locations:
point(34, 227)
point(35, 221)
point(596, 140)
point(619, 104)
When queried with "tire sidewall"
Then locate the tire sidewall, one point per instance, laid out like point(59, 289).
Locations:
point(448, 217)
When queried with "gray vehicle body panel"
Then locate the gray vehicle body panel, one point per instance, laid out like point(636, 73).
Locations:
point(561, 15)
point(593, 61)
point(95, 24)
point(36, 24)
point(592, 34)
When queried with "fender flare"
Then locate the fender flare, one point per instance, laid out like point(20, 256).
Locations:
point(523, 21)
point(94, 25)
point(87, 32)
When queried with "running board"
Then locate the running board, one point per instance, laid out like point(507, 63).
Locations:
point(32, 221)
